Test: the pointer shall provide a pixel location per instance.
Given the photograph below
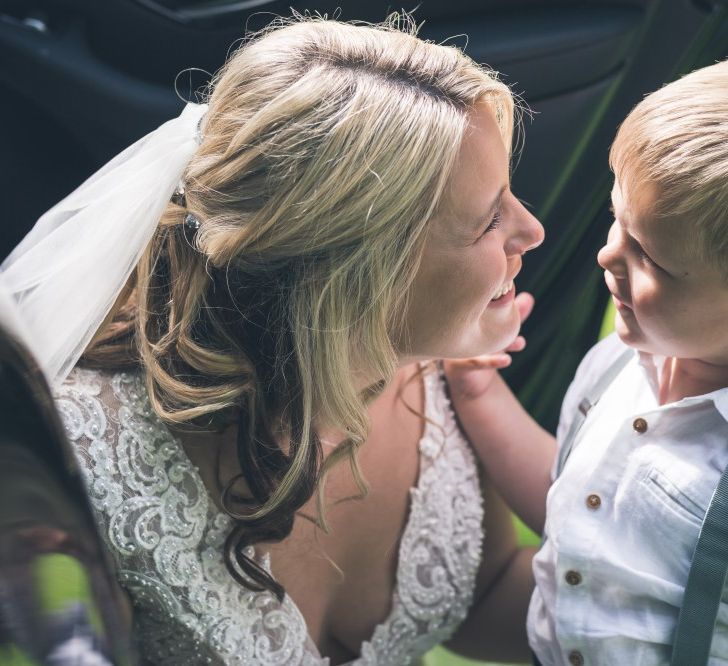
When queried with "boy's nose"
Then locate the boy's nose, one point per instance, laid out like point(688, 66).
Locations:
point(610, 257)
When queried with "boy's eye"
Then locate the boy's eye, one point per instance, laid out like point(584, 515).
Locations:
point(644, 254)
point(640, 251)
point(646, 257)
point(494, 224)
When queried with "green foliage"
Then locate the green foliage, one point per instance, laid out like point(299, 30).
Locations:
point(608, 321)
point(12, 656)
point(62, 581)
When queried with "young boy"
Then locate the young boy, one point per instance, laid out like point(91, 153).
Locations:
point(623, 517)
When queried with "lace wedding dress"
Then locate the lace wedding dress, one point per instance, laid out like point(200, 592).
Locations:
point(166, 536)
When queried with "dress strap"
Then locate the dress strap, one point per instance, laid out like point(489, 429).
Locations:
point(590, 399)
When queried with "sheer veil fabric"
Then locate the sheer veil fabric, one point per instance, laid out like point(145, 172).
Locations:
point(60, 282)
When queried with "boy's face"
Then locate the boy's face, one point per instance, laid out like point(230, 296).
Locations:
point(668, 302)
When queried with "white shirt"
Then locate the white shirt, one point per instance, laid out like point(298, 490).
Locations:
point(624, 517)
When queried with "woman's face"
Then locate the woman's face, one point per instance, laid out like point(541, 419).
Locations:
point(462, 300)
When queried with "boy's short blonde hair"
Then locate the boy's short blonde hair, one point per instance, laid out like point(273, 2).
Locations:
point(677, 140)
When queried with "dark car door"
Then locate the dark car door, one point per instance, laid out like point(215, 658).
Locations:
point(80, 79)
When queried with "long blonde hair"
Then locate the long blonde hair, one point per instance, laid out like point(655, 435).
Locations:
point(325, 151)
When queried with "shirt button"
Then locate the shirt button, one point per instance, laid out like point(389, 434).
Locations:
point(593, 501)
point(576, 658)
point(572, 577)
point(640, 425)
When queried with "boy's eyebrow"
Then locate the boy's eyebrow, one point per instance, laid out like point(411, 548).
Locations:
point(621, 219)
point(624, 217)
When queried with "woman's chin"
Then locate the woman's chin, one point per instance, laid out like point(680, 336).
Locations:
point(496, 337)
point(509, 329)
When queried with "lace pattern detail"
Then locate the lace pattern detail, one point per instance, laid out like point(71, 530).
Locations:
point(441, 545)
point(166, 537)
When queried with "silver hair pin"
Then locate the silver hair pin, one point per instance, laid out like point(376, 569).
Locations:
point(198, 130)
point(178, 196)
point(192, 223)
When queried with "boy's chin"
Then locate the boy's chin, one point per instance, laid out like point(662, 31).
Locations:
point(633, 337)
point(628, 334)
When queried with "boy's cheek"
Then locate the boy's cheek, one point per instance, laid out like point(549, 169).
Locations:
point(650, 314)
point(649, 299)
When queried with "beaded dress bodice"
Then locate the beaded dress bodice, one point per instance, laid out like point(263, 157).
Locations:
point(166, 536)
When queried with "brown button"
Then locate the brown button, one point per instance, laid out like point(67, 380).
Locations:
point(640, 425)
point(576, 658)
point(593, 501)
point(572, 577)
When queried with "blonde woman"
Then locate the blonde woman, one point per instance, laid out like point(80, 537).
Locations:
point(272, 458)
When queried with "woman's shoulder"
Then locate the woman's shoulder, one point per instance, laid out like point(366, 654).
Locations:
point(91, 403)
point(88, 413)
point(110, 424)
point(165, 536)
point(97, 396)
point(84, 386)
point(85, 401)
point(138, 478)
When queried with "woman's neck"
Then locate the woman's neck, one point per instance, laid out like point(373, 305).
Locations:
point(686, 377)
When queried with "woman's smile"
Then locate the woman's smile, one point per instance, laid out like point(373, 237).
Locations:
point(504, 296)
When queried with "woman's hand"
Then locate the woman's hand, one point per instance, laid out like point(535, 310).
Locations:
point(470, 378)
point(516, 453)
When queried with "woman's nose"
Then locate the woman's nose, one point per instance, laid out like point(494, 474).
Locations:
point(529, 233)
point(611, 256)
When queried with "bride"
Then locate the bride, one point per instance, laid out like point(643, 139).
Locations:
point(267, 442)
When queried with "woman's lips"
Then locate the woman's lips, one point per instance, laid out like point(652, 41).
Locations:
point(505, 299)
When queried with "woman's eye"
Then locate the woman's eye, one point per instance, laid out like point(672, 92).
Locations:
point(494, 224)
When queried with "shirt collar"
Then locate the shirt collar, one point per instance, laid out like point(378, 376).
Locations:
point(652, 366)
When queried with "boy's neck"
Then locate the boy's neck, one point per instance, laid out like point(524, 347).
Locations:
point(686, 377)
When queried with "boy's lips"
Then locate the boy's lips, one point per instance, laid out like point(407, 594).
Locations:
point(619, 302)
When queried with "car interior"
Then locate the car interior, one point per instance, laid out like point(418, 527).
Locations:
point(82, 79)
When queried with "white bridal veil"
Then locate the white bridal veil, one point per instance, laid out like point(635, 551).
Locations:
point(59, 283)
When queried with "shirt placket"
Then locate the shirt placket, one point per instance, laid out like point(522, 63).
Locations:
point(591, 506)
